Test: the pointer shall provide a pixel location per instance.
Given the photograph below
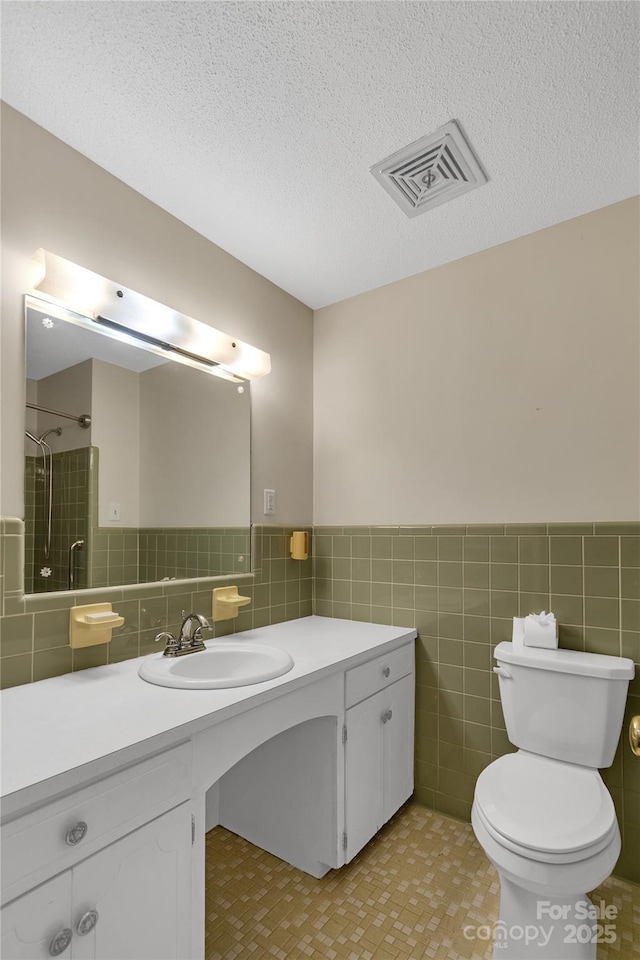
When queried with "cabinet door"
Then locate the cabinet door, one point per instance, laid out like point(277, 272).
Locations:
point(363, 773)
point(398, 744)
point(32, 923)
point(140, 888)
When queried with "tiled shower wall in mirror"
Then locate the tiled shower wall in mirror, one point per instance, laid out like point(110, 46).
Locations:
point(72, 489)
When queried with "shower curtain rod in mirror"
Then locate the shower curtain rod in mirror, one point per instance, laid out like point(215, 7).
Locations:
point(84, 419)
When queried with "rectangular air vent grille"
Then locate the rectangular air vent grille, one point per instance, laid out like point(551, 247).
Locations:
point(430, 171)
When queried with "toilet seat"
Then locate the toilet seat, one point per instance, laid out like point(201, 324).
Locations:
point(545, 810)
point(544, 856)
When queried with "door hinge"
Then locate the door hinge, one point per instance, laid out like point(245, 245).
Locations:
point(344, 840)
point(193, 829)
point(344, 733)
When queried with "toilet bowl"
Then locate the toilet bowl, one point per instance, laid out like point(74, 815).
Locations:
point(550, 830)
point(545, 821)
point(546, 824)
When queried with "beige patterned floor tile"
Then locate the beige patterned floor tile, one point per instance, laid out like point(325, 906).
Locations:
point(409, 895)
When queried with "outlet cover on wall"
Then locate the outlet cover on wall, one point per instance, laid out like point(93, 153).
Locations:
point(114, 511)
point(269, 503)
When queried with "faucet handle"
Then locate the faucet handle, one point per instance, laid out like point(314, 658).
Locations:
point(172, 643)
point(203, 625)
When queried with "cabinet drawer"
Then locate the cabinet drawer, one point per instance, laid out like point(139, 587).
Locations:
point(363, 681)
point(59, 834)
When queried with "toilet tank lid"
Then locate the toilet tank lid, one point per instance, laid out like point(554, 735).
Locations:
point(567, 661)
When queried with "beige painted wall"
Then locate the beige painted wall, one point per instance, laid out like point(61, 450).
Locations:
point(502, 387)
point(115, 431)
point(60, 391)
point(69, 390)
point(31, 418)
point(53, 197)
point(194, 438)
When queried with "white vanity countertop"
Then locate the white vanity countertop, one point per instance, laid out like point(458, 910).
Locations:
point(55, 726)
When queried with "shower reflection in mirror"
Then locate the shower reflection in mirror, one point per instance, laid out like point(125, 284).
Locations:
point(51, 520)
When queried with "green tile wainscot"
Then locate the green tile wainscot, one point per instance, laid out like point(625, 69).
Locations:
point(458, 585)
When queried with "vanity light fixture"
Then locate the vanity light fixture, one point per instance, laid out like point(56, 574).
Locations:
point(154, 342)
point(126, 315)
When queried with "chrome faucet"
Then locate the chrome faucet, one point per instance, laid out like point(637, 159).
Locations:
point(189, 640)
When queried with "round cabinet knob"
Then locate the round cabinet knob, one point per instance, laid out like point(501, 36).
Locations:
point(77, 833)
point(386, 671)
point(87, 922)
point(389, 714)
point(386, 716)
point(60, 942)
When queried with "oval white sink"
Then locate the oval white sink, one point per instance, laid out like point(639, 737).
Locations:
point(223, 664)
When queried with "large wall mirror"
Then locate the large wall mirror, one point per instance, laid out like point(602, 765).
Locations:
point(137, 467)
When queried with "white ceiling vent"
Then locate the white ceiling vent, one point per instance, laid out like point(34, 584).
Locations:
point(430, 171)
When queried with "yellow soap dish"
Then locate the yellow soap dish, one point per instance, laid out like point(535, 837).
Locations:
point(92, 624)
point(226, 602)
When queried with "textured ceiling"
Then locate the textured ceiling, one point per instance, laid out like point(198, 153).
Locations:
point(257, 123)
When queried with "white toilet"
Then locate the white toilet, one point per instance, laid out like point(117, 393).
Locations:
point(543, 815)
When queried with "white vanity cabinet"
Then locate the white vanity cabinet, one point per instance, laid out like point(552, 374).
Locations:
point(105, 809)
point(31, 923)
point(379, 731)
point(128, 901)
point(130, 897)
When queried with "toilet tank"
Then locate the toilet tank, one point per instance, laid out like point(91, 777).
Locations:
point(563, 704)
